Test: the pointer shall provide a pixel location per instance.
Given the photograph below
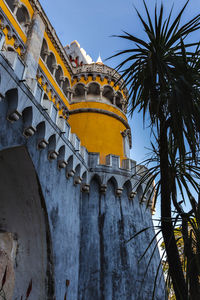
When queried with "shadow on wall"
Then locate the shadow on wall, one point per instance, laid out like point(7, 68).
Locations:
point(25, 246)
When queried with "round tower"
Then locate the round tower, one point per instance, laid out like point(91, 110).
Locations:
point(98, 106)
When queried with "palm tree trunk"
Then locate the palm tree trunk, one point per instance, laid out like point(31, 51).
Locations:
point(173, 258)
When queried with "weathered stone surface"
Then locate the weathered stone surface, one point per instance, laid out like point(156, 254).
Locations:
point(68, 240)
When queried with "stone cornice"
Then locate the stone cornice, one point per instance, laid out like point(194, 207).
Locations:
point(99, 111)
point(99, 70)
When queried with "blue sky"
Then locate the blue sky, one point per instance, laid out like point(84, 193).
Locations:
point(93, 22)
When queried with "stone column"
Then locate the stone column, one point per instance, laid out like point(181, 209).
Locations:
point(86, 91)
point(34, 46)
point(55, 67)
point(101, 92)
point(114, 99)
point(16, 6)
point(62, 79)
point(46, 54)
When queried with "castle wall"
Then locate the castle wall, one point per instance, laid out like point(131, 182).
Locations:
point(74, 220)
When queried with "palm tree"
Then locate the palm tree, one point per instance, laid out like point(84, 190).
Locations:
point(185, 177)
point(162, 73)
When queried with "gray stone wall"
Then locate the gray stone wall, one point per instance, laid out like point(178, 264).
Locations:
point(68, 230)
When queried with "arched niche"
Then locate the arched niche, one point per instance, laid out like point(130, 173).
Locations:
point(23, 17)
point(12, 100)
point(127, 189)
point(119, 99)
point(79, 92)
point(139, 193)
point(47, 104)
point(51, 62)
point(25, 241)
point(44, 50)
point(66, 86)
point(41, 131)
point(113, 182)
point(59, 75)
point(108, 94)
point(93, 89)
point(78, 170)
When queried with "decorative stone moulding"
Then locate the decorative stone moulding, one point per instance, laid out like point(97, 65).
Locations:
point(52, 155)
point(62, 164)
point(29, 131)
point(132, 195)
point(144, 199)
point(97, 70)
point(77, 180)
point(85, 188)
point(119, 192)
point(42, 144)
point(14, 116)
point(70, 173)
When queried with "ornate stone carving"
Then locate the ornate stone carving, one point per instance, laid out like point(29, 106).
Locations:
point(119, 192)
point(62, 164)
point(70, 173)
point(132, 195)
point(29, 131)
point(77, 180)
point(42, 144)
point(52, 155)
point(14, 116)
point(85, 188)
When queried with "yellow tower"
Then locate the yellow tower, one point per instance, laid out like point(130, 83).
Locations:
point(98, 106)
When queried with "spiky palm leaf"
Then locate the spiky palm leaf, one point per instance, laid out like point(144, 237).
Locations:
point(163, 76)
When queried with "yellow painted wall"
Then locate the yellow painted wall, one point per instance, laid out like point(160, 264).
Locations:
point(99, 133)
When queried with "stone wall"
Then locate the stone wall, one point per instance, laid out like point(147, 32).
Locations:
point(70, 218)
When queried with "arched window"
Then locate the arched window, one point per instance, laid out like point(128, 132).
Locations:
point(79, 91)
point(44, 50)
point(11, 4)
point(66, 86)
point(108, 93)
point(51, 61)
point(23, 18)
point(119, 98)
point(59, 75)
point(94, 89)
